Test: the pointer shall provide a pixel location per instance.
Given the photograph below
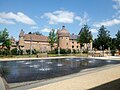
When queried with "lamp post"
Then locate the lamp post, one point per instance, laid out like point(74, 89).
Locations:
point(103, 50)
point(59, 51)
point(119, 49)
point(30, 45)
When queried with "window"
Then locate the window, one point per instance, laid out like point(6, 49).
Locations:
point(72, 46)
point(66, 37)
point(77, 46)
point(72, 42)
point(66, 43)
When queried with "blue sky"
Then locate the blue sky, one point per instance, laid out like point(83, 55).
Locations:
point(43, 15)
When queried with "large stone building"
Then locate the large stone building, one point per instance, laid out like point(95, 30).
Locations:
point(67, 41)
point(33, 41)
point(41, 44)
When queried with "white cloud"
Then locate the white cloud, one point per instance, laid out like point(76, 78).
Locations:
point(117, 5)
point(107, 23)
point(4, 21)
point(34, 27)
point(59, 16)
point(46, 30)
point(83, 20)
point(93, 30)
point(19, 17)
point(62, 16)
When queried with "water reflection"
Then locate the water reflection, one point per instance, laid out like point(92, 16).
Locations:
point(59, 64)
point(21, 71)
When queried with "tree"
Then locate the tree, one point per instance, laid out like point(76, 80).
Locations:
point(85, 35)
point(5, 42)
point(103, 38)
point(3, 35)
point(30, 33)
point(4, 39)
point(52, 38)
point(37, 33)
point(96, 43)
point(118, 40)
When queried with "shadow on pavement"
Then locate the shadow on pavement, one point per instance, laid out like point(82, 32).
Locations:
point(114, 85)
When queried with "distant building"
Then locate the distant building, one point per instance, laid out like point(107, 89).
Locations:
point(67, 41)
point(41, 44)
point(33, 41)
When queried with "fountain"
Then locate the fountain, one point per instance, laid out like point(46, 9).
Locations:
point(44, 69)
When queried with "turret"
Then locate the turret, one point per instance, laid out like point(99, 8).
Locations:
point(21, 38)
point(63, 38)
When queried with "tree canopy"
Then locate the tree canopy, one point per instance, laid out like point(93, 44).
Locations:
point(4, 39)
point(103, 38)
point(85, 35)
point(118, 40)
point(52, 38)
point(37, 33)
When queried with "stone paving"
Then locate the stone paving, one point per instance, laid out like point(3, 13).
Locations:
point(84, 82)
point(2, 87)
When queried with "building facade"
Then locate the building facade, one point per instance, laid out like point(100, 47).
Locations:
point(33, 41)
point(41, 43)
point(67, 41)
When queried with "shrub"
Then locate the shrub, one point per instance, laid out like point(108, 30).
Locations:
point(62, 51)
point(14, 51)
point(28, 51)
point(74, 51)
point(68, 51)
point(113, 52)
point(34, 51)
point(6, 52)
point(85, 51)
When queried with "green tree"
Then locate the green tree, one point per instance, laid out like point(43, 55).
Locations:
point(118, 40)
point(96, 43)
point(3, 35)
point(37, 33)
point(14, 51)
point(52, 38)
point(85, 35)
point(4, 39)
point(103, 38)
point(7, 44)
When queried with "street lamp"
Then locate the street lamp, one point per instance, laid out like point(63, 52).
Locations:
point(103, 50)
point(30, 45)
point(59, 51)
point(119, 49)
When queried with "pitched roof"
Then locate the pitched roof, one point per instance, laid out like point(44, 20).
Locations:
point(74, 37)
point(34, 37)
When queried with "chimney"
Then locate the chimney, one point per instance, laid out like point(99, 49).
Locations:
point(63, 27)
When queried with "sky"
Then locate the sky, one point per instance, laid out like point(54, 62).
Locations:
point(44, 15)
